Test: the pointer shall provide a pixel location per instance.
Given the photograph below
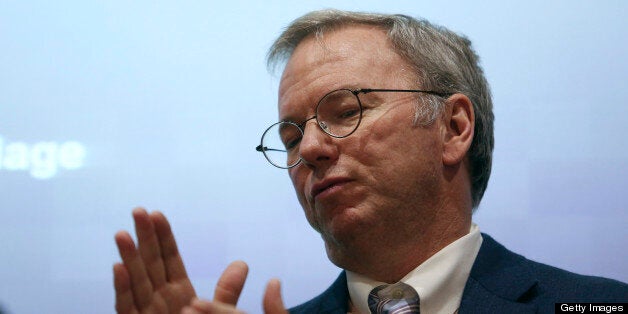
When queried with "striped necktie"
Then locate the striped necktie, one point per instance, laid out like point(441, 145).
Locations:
point(394, 299)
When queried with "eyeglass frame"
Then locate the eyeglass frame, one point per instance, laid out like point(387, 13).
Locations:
point(355, 92)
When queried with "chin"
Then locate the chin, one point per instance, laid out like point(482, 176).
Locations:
point(343, 255)
point(342, 233)
point(336, 254)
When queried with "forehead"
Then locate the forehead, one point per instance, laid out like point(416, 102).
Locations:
point(351, 57)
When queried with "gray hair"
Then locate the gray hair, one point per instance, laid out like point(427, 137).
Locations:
point(443, 60)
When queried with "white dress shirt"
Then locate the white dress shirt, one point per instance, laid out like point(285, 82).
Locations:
point(439, 281)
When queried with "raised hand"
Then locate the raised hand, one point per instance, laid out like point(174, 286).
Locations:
point(151, 278)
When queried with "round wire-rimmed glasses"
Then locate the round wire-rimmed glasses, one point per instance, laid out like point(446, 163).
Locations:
point(338, 114)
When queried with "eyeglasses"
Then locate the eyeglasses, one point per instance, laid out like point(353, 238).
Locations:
point(338, 114)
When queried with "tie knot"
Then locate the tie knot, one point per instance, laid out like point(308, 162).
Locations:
point(393, 299)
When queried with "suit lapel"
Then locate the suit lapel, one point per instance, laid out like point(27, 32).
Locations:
point(477, 299)
point(335, 299)
point(500, 282)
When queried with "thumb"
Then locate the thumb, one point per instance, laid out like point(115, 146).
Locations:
point(273, 304)
point(231, 282)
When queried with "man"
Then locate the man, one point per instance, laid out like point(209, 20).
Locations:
point(387, 133)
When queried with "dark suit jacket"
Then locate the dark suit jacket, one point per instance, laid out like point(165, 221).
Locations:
point(501, 282)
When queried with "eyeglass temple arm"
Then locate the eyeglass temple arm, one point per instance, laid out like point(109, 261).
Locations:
point(261, 148)
point(369, 90)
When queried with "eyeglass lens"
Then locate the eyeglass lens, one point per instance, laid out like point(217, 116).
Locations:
point(338, 114)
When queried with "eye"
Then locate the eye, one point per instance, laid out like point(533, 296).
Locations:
point(290, 137)
point(292, 143)
point(349, 113)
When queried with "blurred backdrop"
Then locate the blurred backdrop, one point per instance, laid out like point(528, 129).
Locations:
point(107, 105)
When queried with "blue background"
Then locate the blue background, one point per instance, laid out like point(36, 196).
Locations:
point(169, 99)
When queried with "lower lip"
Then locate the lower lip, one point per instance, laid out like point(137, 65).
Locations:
point(334, 188)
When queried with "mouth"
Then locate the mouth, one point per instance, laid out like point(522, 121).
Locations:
point(327, 186)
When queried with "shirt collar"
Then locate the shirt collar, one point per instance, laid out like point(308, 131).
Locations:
point(439, 281)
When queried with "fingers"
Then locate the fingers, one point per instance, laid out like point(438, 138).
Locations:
point(273, 303)
point(174, 267)
point(122, 285)
point(149, 248)
point(231, 282)
point(152, 276)
point(134, 273)
point(203, 307)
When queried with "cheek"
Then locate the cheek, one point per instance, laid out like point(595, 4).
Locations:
point(298, 179)
point(392, 148)
point(382, 142)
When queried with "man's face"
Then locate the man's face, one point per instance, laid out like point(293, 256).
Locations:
point(380, 184)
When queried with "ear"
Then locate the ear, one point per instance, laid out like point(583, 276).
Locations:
point(458, 129)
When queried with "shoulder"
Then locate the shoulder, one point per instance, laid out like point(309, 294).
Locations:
point(499, 269)
point(563, 286)
point(332, 300)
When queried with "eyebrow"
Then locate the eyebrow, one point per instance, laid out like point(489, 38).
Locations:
point(290, 118)
point(282, 127)
point(295, 117)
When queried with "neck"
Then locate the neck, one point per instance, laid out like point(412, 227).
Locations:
point(392, 262)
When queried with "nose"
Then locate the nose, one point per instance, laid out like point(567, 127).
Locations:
point(316, 147)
